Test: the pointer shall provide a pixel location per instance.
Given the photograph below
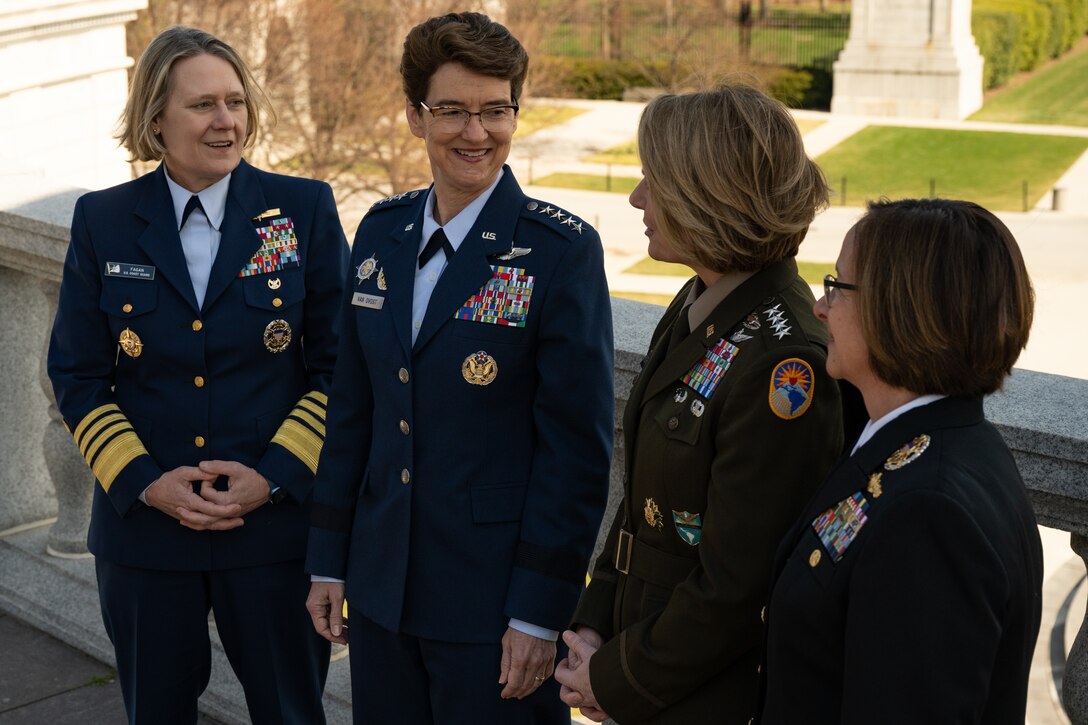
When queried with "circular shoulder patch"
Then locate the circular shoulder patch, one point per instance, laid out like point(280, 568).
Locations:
point(791, 388)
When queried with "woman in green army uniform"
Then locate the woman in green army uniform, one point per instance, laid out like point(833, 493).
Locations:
point(730, 427)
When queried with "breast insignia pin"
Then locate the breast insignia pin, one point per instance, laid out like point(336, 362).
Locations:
point(381, 279)
point(907, 454)
point(274, 283)
point(277, 336)
point(874, 488)
point(479, 368)
point(653, 514)
point(130, 342)
point(365, 269)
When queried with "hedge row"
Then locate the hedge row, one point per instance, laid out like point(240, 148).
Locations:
point(1018, 35)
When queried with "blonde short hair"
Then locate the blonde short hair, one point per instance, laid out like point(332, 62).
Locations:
point(152, 82)
point(733, 189)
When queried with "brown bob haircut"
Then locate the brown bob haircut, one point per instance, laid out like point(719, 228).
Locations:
point(152, 83)
point(733, 189)
point(945, 303)
point(472, 39)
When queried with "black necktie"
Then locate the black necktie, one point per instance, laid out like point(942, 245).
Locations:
point(192, 205)
point(437, 241)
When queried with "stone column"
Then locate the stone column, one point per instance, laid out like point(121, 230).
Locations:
point(909, 58)
point(1075, 682)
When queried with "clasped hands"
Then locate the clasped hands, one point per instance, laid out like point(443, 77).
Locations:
point(572, 673)
point(210, 509)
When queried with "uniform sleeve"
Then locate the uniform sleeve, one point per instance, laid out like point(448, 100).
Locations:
point(573, 417)
point(928, 601)
point(598, 601)
point(82, 362)
point(765, 468)
point(291, 458)
point(345, 454)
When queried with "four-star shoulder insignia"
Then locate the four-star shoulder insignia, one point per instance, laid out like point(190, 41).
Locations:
point(563, 218)
point(410, 195)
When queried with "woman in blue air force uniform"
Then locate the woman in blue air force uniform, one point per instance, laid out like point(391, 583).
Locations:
point(909, 590)
point(191, 356)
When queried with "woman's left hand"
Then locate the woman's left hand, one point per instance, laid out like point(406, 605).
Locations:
point(573, 674)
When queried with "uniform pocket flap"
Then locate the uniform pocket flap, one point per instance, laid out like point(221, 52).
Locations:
point(126, 298)
point(275, 290)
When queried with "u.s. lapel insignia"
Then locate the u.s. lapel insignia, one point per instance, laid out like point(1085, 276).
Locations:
point(689, 526)
point(710, 330)
point(839, 525)
point(277, 336)
point(874, 488)
point(792, 381)
point(907, 454)
point(479, 368)
point(366, 269)
point(680, 395)
point(653, 514)
point(130, 343)
point(697, 408)
point(381, 279)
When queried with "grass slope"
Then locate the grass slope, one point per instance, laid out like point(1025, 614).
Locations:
point(1057, 94)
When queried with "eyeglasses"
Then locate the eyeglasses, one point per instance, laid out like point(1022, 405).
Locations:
point(454, 120)
point(831, 284)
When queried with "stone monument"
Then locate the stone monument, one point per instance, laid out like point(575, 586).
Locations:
point(909, 59)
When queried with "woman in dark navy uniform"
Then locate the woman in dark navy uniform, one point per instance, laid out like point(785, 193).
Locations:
point(729, 428)
point(909, 591)
point(191, 356)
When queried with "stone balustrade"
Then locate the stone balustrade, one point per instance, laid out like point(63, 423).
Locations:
point(1044, 419)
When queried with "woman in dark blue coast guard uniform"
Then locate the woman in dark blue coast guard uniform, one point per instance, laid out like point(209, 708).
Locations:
point(470, 421)
point(191, 357)
point(909, 591)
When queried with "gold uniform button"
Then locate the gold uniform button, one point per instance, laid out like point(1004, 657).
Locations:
point(126, 308)
point(199, 441)
point(763, 614)
point(197, 325)
point(404, 427)
point(198, 381)
point(277, 302)
point(814, 558)
point(402, 375)
point(405, 477)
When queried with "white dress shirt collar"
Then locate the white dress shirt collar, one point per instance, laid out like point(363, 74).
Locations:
point(212, 198)
point(872, 426)
point(457, 228)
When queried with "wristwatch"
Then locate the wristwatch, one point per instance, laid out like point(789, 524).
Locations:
point(277, 493)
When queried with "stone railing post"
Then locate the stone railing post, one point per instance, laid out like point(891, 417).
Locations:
point(1075, 682)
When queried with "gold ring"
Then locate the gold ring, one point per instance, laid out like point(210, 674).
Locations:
point(540, 678)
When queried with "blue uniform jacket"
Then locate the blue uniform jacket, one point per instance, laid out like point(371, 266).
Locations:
point(450, 506)
point(148, 381)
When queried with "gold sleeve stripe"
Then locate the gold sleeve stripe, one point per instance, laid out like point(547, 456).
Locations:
point(300, 441)
point(319, 397)
point(117, 454)
point(312, 421)
point(307, 404)
point(108, 442)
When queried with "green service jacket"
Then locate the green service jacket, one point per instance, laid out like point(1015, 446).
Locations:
point(729, 430)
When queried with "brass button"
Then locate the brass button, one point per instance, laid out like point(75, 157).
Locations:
point(405, 477)
point(402, 375)
point(673, 423)
point(814, 558)
point(277, 302)
point(404, 427)
point(197, 325)
point(759, 669)
point(763, 614)
point(199, 441)
point(198, 381)
point(126, 308)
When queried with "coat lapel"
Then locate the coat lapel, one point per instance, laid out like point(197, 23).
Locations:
point(160, 240)
point(470, 268)
point(238, 236)
point(400, 271)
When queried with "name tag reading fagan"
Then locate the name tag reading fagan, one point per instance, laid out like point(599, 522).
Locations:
point(374, 302)
point(134, 271)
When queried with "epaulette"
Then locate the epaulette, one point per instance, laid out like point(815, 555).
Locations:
point(552, 216)
point(769, 316)
point(402, 197)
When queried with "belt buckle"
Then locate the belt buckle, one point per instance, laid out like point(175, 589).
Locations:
point(623, 551)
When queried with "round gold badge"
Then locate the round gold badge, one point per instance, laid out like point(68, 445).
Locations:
point(277, 336)
point(479, 368)
point(130, 343)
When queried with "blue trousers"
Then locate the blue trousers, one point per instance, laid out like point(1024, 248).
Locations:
point(158, 623)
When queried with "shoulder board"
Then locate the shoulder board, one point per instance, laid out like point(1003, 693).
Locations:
point(397, 199)
point(558, 219)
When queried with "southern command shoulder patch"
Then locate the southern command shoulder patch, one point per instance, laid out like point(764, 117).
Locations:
point(791, 388)
point(839, 526)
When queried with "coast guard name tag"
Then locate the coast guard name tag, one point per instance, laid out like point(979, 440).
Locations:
point(374, 302)
point(132, 271)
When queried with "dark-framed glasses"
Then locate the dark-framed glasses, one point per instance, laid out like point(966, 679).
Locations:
point(454, 120)
point(831, 285)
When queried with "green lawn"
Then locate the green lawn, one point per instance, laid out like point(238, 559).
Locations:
point(811, 272)
point(589, 182)
point(987, 168)
point(627, 153)
point(1056, 95)
point(533, 117)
